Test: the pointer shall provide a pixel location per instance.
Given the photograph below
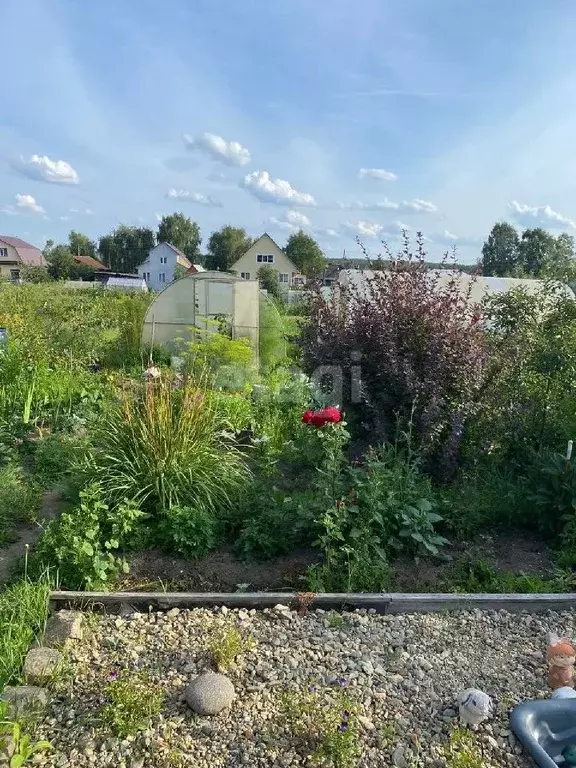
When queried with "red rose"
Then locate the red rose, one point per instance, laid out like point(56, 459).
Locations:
point(332, 414)
point(307, 417)
point(328, 415)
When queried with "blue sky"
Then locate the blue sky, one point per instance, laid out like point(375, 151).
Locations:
point(345, 118)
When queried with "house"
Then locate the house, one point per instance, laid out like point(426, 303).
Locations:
point(90, 262)
point(15, 254)
point(266, 251)
point(159, 269)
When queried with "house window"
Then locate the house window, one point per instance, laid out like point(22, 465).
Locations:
point(284, 277)
point(265, 258)
point(162, 277)
point(245, 275)
point(4, 252)
point(147, 276)
point(14, 274)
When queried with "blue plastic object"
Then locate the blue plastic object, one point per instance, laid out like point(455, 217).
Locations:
point(545, 728)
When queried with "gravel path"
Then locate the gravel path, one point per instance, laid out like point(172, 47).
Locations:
point(406, 670)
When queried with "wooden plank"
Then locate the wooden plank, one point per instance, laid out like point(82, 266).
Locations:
point(381, 602)
point(422, 603)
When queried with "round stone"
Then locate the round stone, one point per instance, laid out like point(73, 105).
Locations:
point(210, 693)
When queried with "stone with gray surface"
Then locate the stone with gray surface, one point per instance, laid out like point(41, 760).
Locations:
point(210, 693)
point(41, 664)
point(62, 629)
point(23, 699)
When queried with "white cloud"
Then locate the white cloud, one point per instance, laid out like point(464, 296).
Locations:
point(24, 204)
point(449, 235)
point(291, 221)
point(64, 218)
point(296, 218)
point(377, 173)
point(193, 197)
point(41, 168)
point(276, 191)
point(406, 206)
point(363, 228)
point(228, 152)
point(89, 212)
point(327, 232)
point(540, 214)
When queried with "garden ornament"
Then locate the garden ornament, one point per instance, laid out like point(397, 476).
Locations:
point(475, 706)
point(564, 693)
point(569, 755)
point(561, 658)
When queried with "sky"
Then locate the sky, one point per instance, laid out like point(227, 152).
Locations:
point(346, 119)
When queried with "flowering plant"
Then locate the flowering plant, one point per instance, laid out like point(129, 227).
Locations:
point(328, 415)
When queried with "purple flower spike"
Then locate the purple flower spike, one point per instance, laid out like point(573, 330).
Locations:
point(113, 675)
point(345, 715)
point(342, 681)
point(343, 727)
point(313, 688)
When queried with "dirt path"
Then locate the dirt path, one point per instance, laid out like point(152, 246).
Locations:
point(28, 533)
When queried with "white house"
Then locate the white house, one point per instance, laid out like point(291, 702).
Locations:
point(159, 268)
point(266, 251)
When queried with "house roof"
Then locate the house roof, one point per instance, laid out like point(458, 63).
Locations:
point(88, 261)
point(27, 254)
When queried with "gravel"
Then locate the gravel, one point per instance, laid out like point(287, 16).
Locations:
point(406, 671)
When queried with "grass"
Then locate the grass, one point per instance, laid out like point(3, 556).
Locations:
point(23, 615)
point(161, 447)
point(20, 500)
point(131, 701)
point(226, 645)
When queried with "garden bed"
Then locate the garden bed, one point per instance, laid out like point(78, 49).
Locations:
point(402, 672)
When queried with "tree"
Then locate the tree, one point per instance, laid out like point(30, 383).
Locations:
point(268, 279)
point(500, 251)
point(60, 262)
point(181, 232)
point(225, 247)
point(125, 248)
point(305, 253)
point(81, 245)
point(536, 250)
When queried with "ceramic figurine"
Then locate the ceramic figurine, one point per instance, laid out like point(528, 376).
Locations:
point(475, 706)
point(564, 693)
point(561, 658)
point(569, 754)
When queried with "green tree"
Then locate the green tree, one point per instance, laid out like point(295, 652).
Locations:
point(81, 245)
point(305, 253)
point(60, 262)
point(125, 248)
point(181, 232)
point(500, 251)
point(268, 279)
point(225, 247)
point(536, 251)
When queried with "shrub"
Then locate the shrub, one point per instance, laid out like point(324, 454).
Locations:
point(53, 459)
point(190, 531)
point(162, 447)
point(382, 508)
point(80, 547)
point(530, 385)
point(419, 346)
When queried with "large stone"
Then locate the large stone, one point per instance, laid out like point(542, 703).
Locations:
point(210, 693)
point(62, 628)
point(23, 699)
point(41, 665)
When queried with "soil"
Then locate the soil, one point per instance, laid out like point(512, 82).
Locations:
point(223, 572)
point(218, 572)
point(27, 534)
